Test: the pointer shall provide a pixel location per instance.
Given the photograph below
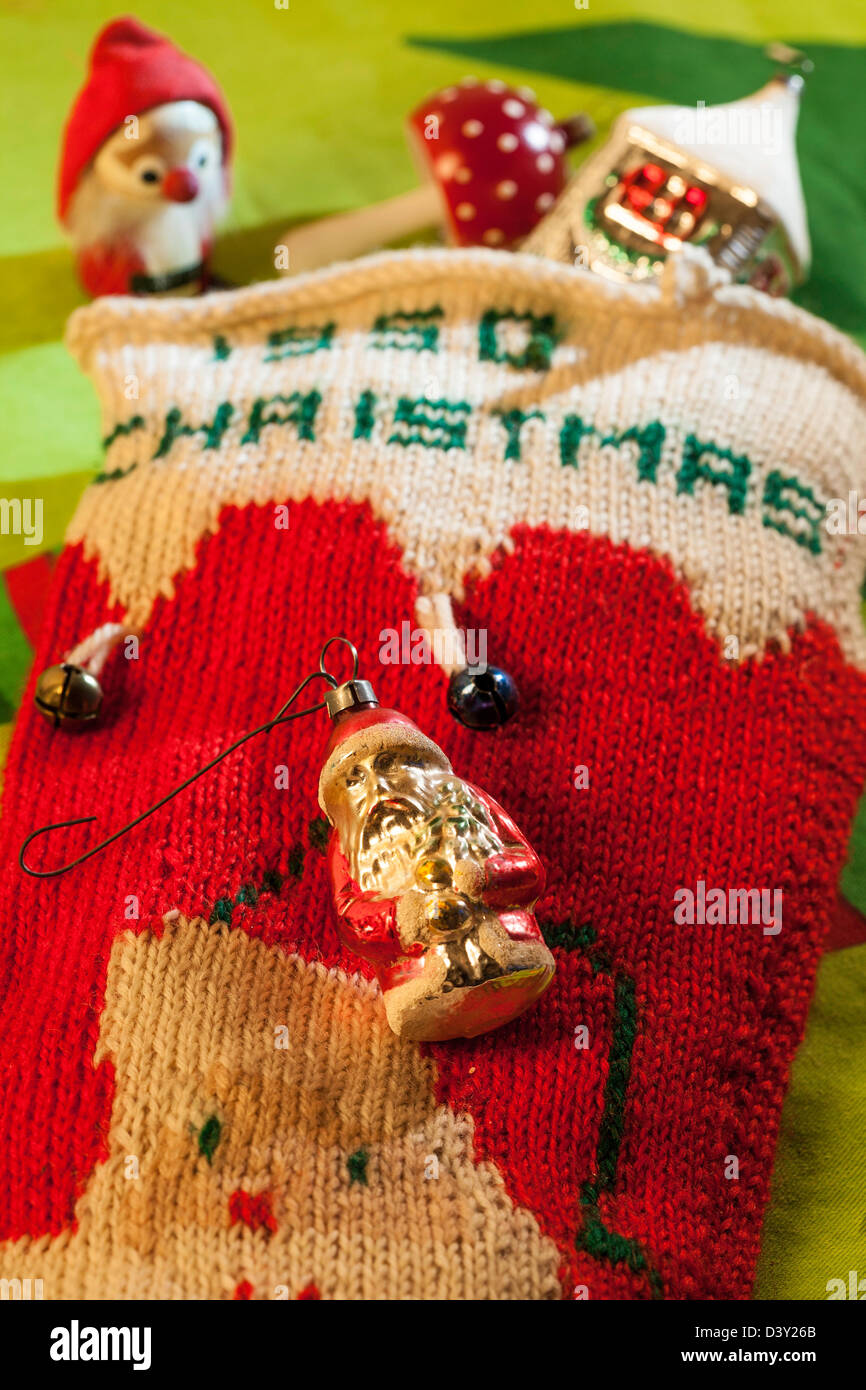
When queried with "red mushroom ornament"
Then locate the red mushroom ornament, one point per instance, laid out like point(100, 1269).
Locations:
point(493, 163)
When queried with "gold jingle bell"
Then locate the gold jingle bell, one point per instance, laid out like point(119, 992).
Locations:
point(68, 696)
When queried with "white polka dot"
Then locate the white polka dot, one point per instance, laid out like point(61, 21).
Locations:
point(545, 117)
point(557, 142)
point(449, 94)
point(535, 135)
point(507, 142)
point(463, 175)
point(469, 82)
point(494, 85)
point(493, 236)
point(544, 201)
point(506, 189)
point(464, 212)
point(513, 108)
point(526, 93)
point(447, 165)
point(472, 128)
point(545, 163)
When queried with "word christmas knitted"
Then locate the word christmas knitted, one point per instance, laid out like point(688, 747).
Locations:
point(625, 490)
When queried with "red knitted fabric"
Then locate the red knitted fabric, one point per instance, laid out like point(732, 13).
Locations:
point(698, 770)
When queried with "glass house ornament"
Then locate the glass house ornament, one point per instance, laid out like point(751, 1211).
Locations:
point(722, 177)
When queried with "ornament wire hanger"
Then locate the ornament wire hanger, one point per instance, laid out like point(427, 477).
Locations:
point(281, 717)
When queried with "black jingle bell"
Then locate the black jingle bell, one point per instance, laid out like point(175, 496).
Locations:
point(482, 699)
point(68, 696)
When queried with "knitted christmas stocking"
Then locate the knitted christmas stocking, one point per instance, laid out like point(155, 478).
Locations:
point(626, 490)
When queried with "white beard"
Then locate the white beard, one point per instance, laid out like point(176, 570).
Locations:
point(385, 848)
point(383, 854)
point(168, 236)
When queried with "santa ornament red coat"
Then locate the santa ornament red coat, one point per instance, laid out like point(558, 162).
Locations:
point(455, 946)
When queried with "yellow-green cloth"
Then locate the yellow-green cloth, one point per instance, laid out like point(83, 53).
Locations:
point(815, 1230)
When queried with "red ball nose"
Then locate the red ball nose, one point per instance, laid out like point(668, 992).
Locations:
point(180, 185)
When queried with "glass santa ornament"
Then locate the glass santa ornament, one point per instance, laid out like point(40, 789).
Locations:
point(722, 177)
point(144, 168)
point(433, 883)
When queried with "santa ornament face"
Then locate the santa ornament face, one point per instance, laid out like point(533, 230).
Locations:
point(433, 882)
point(382, 802)
point(144, 167)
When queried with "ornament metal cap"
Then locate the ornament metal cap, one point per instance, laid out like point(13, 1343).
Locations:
point(350, 695)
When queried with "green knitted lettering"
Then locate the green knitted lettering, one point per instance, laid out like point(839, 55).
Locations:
point(602, 1243)
point(594, 1236)
point(135, 422)
point(542, 336)
point(298, 341)
point(443, 423)
point(222, 911)
point(365, 417)
point(618, 1073)
point(567, 936)
point(301, 412)
point(777, 498)
point(213, 433)
point(735, 478)
point(221, 348)
point(115, 474)
point(319, 829)
point(248, 893)
point(650, 440)
point(412, 331)
point(513, 421)
point(209, 1137)
point(357, 1166)
point(571, 435)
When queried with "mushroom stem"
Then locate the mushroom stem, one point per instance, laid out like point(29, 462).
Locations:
point(350, 234)
point(576, 129)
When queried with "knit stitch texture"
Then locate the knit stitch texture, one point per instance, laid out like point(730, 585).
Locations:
point(626, 490)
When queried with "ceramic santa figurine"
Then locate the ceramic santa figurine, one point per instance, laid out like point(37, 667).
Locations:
point(144, 170)
point(433, 883)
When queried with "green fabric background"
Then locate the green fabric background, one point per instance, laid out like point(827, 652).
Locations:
point(318, 90)
point(816, 1227)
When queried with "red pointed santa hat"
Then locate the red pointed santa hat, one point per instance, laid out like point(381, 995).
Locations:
point(132, 69)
